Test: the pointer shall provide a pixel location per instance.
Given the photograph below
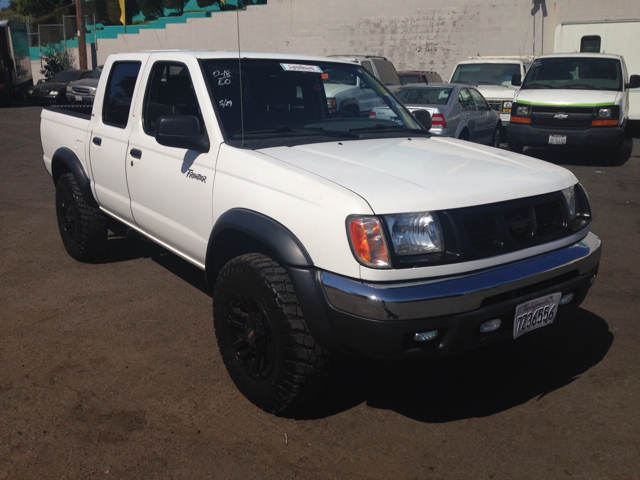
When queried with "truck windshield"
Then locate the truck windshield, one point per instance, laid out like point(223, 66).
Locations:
point(287, 103)
point(485, 73)
point(583, 73)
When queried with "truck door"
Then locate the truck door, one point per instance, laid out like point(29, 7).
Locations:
point(111, 128)
point(171, 188)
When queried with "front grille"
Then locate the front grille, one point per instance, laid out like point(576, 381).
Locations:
point(565, 123)
point(562, 109)
point(507, 226)
point(483, 231)
point(80, 90)
point(495, 105)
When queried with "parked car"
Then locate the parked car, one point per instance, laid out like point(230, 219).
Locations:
point(53, 91)
point(379, 67)
point(84, 90)
point(418, 76)
point(458, 111)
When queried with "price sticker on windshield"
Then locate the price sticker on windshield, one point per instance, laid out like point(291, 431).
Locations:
point(294, 67)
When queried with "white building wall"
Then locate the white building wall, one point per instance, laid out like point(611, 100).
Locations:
point(414, 34)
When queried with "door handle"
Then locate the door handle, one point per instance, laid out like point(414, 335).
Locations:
point(97, 141)
point(135, 153)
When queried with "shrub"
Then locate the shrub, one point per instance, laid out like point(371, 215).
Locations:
point(56, 59)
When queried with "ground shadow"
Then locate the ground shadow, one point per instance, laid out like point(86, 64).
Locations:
point(477, 384)
point(124, 248)
point(587, 158)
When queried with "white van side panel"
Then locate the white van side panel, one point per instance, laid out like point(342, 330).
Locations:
point(617, 37)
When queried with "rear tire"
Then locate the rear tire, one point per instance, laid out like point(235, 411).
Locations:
point(83, 228)
point(263, 337)
point(495, 139)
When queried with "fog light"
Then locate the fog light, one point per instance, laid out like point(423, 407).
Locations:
point(566, 298)
point(491, 325)
point(425, 336)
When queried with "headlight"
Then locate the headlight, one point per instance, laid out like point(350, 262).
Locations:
point(506, 107)
point(523, 110)
point(53, 92)
point(367, 241)
point(578, 206)
point(415, 233)
point(92, 92)
point(570, 198)
point(604, 113)
point(31, 91)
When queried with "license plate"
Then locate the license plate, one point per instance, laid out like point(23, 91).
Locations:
point(535, 314)
point(557, 139)
point(78, 98)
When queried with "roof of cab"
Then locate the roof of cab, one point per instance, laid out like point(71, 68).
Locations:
point(213, 54)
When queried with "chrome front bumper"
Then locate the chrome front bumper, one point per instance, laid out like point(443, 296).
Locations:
point(454, 295)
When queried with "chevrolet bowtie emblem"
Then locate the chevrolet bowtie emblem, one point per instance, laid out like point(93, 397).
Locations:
point(560, 116)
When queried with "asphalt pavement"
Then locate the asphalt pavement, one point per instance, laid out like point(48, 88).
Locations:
point(111, 370)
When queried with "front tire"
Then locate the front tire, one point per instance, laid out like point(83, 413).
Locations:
point(83, 228)
point(263, 337)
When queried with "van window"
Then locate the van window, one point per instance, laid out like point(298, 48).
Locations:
point(590, 43)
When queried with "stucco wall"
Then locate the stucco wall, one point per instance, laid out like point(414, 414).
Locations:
point(414, 34)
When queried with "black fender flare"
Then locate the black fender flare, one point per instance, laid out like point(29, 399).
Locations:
point(277, 241)
point(64, 156)
point(277, 238)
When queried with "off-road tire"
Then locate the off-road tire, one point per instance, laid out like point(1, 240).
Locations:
point(83, 228)
point(262, 335)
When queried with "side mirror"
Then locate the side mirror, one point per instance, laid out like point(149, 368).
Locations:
point(424, 117)
point(516, 80)
point(181, 131)
point(634, 82)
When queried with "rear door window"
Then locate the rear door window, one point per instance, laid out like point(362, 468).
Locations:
point(119, 93)
point(465, 100)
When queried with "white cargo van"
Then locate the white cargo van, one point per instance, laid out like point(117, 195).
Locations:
point(574, 100)
point(621, 37)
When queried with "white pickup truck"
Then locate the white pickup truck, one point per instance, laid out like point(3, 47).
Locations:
point(317, 231)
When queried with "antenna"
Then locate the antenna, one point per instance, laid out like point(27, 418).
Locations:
point(240, 74)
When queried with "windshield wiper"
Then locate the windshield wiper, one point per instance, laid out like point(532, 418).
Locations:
point(379, 127)
point(581, 85)
point(288, 129)
point(538, 85)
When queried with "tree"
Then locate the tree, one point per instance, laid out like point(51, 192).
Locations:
point(177, 5)
point(56, 59)
point(151, 9)
point(36, 8)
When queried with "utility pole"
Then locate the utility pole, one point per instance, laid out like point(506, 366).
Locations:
point(82, 39)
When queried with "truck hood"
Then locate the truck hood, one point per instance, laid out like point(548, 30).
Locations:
point(400, 175)
point(498, 92)
point(583, 98)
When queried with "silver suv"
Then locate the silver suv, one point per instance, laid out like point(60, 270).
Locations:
point(379, 67)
